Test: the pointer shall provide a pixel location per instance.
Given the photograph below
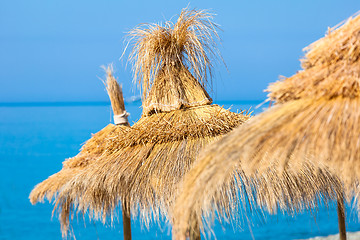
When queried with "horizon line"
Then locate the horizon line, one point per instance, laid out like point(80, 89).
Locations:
point(90, 103)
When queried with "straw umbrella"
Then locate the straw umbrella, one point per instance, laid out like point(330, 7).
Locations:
point(89, 152)
point(142, 165)
point(315, 122)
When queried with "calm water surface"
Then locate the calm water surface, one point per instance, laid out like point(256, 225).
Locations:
point(35, 140)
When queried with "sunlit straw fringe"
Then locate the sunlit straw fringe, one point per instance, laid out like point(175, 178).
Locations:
point(253, 156)
point(143, 167)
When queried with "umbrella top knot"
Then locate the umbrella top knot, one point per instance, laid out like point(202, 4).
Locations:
point(173, 62)
point(331, 67)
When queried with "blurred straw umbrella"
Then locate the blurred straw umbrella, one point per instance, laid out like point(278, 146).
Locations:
point(142, 165)
point(89, 152)
point(314, 123)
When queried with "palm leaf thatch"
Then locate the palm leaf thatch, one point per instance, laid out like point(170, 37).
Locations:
point(143, 164)
point(311, 134)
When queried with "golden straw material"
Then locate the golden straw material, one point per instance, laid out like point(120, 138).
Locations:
point(114, 91)
point(50, 187)
point(252, 158)
point(177, 57)
point(331, 67)
point(330, 86)
point(186, 92)
point(304, 129)
point(89, 152)
point(214, 188)
point(143, 166)
point(309, 141)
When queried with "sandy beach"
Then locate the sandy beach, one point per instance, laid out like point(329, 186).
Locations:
point(350, 236)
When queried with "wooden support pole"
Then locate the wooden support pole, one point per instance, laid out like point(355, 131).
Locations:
point(126, 222)
point(341, 218)
point(120, 118)
point(194, 233)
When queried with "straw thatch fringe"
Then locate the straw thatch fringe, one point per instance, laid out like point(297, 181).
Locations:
point(231, 194)
point(331, 68)
point(277, 160)
point(257, 152)
point(170, 54)
point(305, 129)
point(143, 167)
point(89, 152)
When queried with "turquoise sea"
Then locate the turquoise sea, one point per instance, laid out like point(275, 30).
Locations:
point(35, 138)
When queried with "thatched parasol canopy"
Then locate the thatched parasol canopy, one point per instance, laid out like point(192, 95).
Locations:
point(90, 152)
point(143, 164)
point(327, 98)
point(312, 133)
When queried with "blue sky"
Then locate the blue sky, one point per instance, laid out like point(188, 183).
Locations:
point(53, 50)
